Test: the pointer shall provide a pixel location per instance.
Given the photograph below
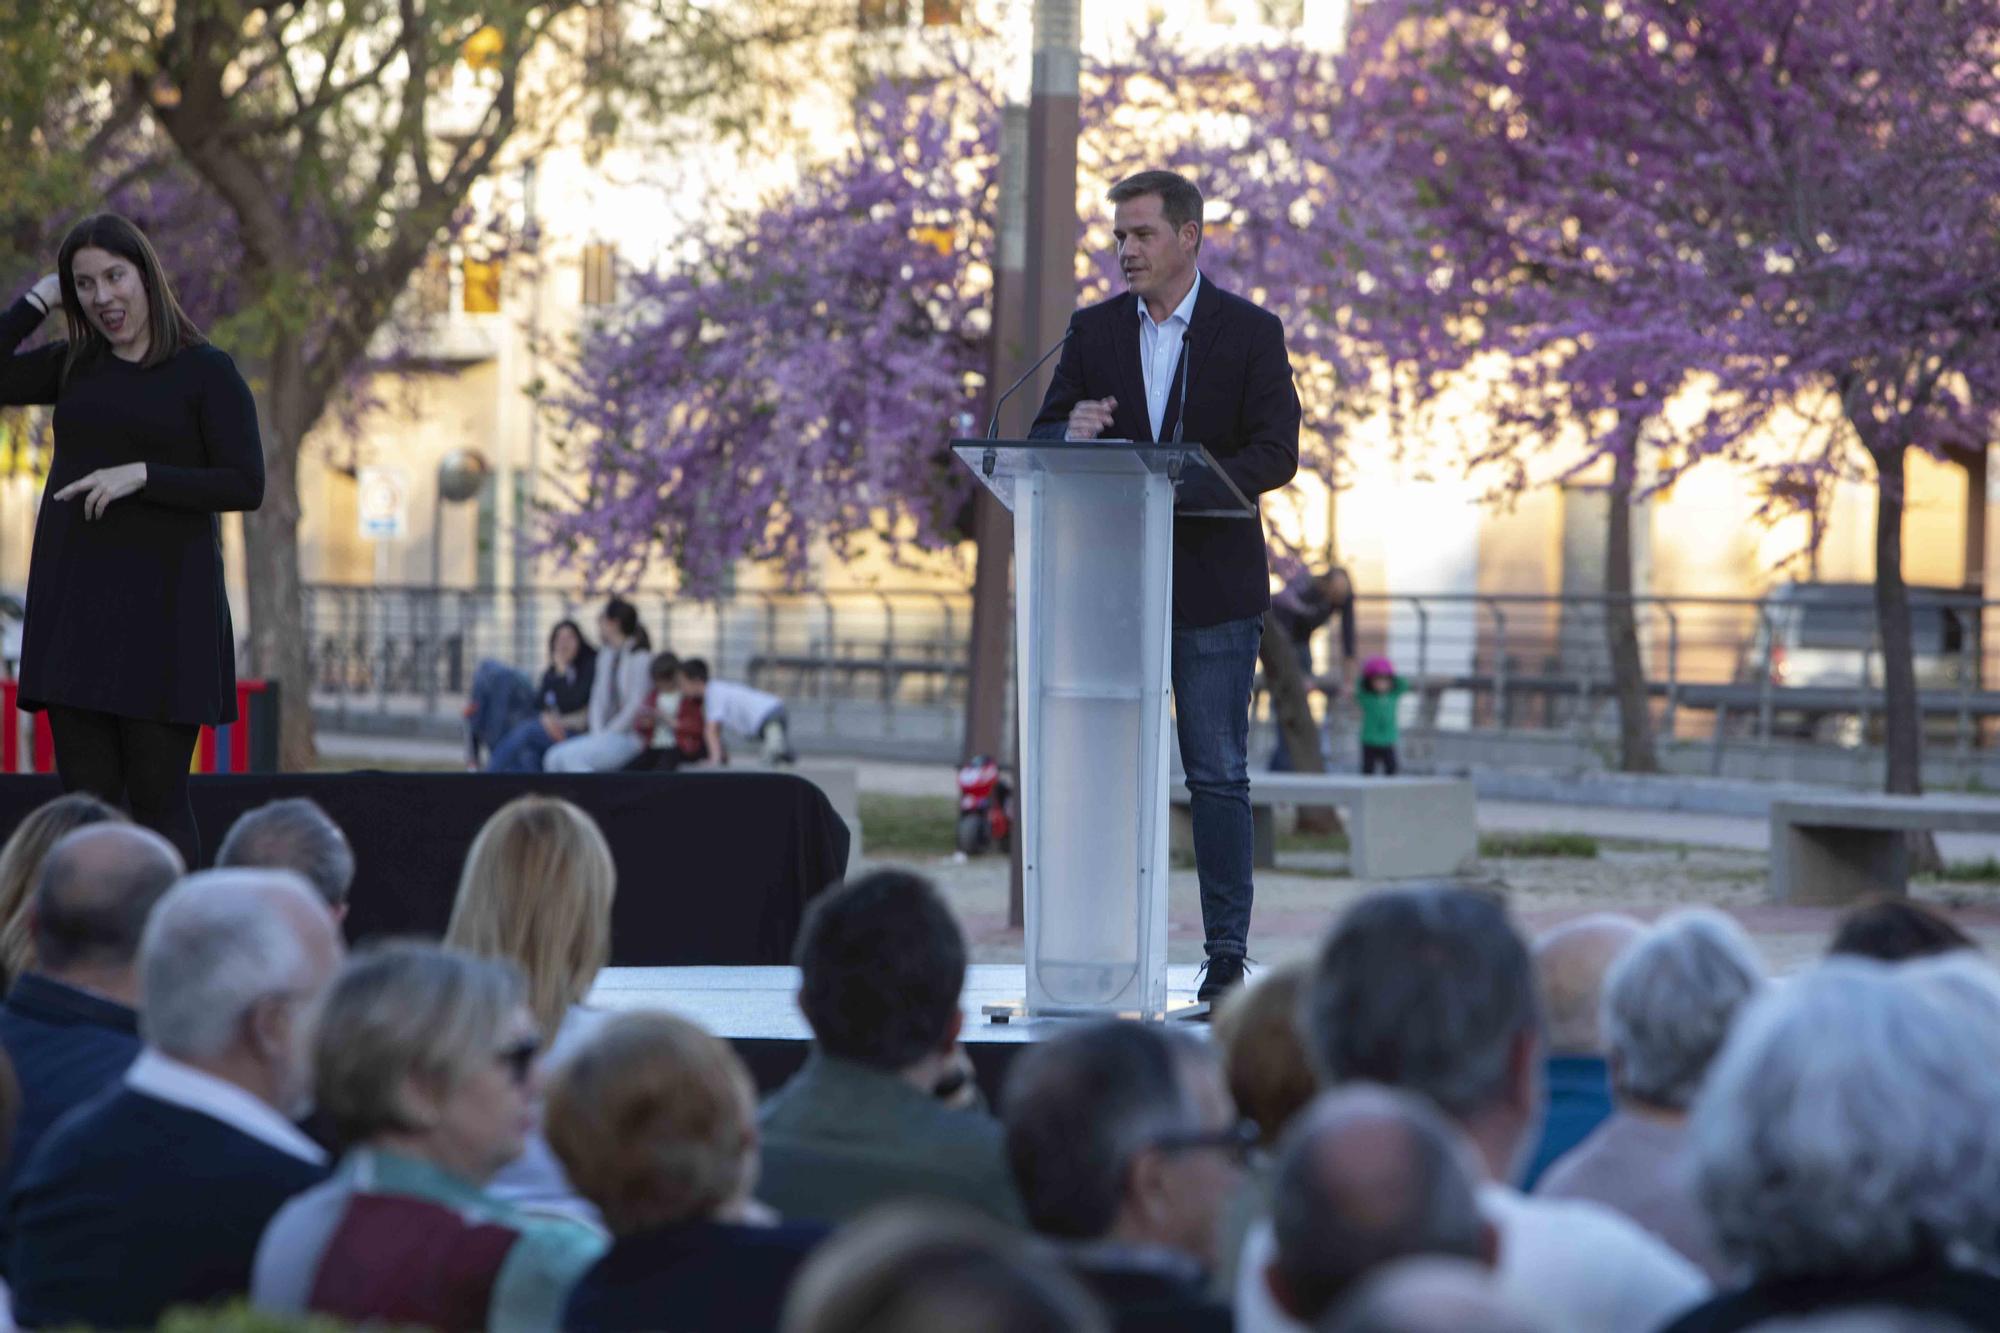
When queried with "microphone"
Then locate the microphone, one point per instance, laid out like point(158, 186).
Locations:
point(993, 426)
point(1187, 373)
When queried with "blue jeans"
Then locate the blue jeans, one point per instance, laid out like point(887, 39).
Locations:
point(521, 750)
point(501, 697)
point(1212, 669)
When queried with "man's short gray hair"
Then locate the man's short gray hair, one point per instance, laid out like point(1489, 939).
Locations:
point(214, 946)
point(293, 834)
point(1670, 1001)
point(1845, 1129)
point(1424, 988)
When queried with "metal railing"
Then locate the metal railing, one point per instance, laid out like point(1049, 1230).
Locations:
point(892, 662)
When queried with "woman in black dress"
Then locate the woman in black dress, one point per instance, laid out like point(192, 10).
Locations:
point(128, 643)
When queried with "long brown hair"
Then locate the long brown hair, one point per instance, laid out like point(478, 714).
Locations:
point(167, 325)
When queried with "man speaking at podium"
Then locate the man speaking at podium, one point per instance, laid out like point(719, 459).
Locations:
point(1128, 367)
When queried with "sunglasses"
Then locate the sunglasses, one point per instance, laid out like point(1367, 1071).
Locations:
point(520, 1058)
point(1238, 1140)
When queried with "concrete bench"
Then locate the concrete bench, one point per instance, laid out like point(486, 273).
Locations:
point(1836, 849)
point(1397, 828)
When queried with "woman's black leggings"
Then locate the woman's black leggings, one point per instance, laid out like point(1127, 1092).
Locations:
point(142, 766)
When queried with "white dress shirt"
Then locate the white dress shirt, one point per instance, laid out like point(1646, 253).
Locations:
point(1160, 348)
point(166, 1079)
point(1576, 1267)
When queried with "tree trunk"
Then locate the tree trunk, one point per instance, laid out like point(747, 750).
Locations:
point(1286, 686)
point(1902, 724)
point(278, 632)
point(1621, 623)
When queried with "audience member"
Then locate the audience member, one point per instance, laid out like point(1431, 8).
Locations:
point(1126, 1147)
point(1263, 1052)
point(154, 1194)
point(928, 1269)
point(731, 707)
point(885, 1107)
point(1668, 1007)
point(537, 892)
point(21, 866)
point(1431, 989)
point(70, 1026)
point(425, 1065)
point(620, 698)
point(10, 1106)
point(1893, 929)
point(294, 834)
point(1842, 1152)
point(655, 1121)
point(1435, 1295)
point(1271, 1080)
point(1368, 1176)
point(558, 705)
point(1570, 963)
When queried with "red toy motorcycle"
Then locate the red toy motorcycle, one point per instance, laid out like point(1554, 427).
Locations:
point(983, 817)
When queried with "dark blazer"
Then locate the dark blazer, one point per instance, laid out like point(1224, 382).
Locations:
point(1149, 1292)
point(67, 1046)
point(698, 1277)
point(133, 1206)
point(1240, 404)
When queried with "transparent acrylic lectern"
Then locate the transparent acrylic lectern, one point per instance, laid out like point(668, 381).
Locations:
point(1093, 611)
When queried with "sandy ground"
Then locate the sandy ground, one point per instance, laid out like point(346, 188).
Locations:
point(1296, 902)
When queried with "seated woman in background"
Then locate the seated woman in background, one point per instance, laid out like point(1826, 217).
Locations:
point(425, 1067)
point(621, 698)
point(505, 699)
point(21, 865)
point(563, 698)
point(537, 892)
point(656, 1121)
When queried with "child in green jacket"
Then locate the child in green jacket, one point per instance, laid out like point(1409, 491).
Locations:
point(1380, 697)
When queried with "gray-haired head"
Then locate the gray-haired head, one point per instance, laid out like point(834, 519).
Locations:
point(94, 894)
point(1571, 962)
point(1078, 1109)
point(1431, 1295)
point(293, 834)
point(1845, 1128)
point(1365, 1176)
point(401, 1012)
point(221, 942)
point(1425, 988)
point(1671, 1000)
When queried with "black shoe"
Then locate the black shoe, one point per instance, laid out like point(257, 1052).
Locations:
point(1223, 973)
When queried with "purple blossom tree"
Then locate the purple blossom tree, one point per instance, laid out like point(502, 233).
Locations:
point(795, 383)
point(1783, 203)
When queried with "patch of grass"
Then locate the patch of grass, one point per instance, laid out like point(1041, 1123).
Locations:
point(1575, 846)
point(909, 825)
point(1989, 869)
point(1313, 842)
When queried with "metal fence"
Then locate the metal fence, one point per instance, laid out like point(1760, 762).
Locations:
point(857, 665)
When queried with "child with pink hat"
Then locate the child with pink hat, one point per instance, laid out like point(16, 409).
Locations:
point(1380, 697)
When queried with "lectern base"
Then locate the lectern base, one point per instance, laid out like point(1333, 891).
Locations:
point(1180, 1011)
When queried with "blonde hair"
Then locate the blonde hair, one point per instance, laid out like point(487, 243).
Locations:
point(655, 1122)
point(1270, 1075)
point(537, 891)
point(21, 866)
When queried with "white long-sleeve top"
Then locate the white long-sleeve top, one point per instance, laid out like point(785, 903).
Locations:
point(622, 687)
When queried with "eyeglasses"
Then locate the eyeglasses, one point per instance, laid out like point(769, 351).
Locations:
point(1239, 1140)
point(520, 1058)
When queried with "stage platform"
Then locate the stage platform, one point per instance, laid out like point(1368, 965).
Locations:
point(757, 1010)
